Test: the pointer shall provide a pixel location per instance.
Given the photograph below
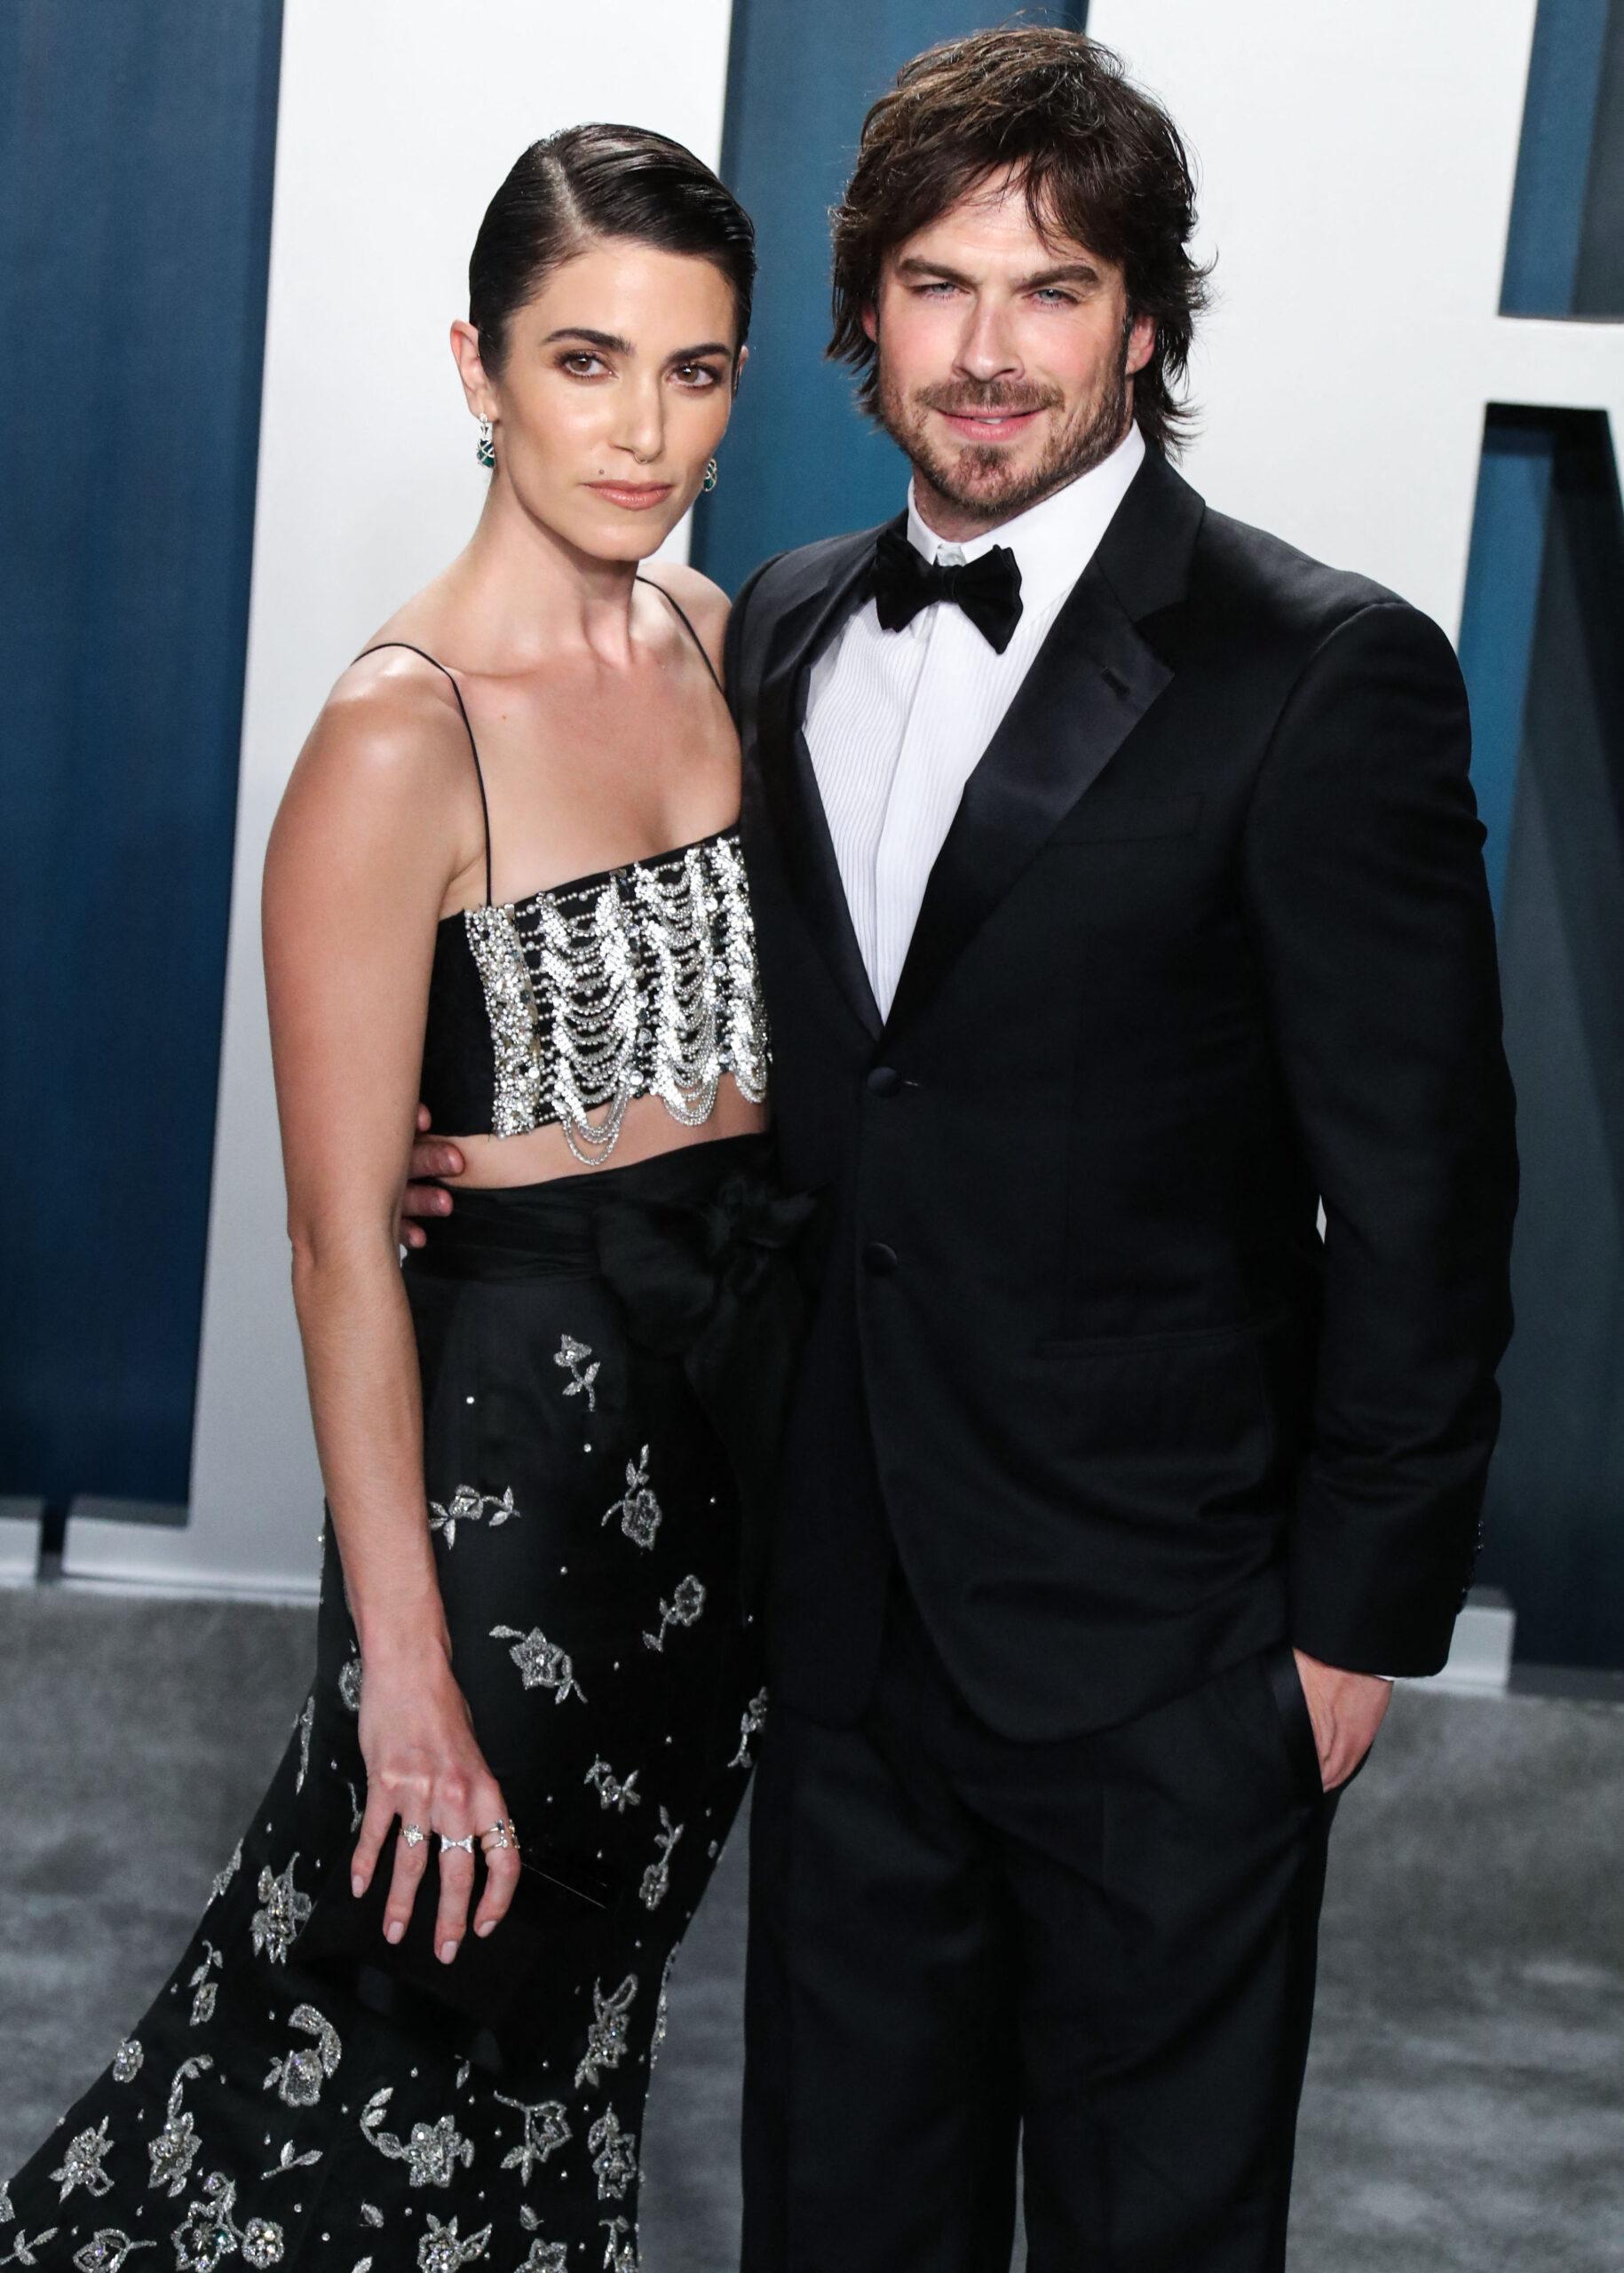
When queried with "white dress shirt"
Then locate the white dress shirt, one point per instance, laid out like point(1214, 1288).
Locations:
point(896, 721)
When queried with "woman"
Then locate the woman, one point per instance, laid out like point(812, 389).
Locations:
point(532, 1646)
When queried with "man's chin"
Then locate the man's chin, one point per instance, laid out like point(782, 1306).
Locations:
point(983, 477)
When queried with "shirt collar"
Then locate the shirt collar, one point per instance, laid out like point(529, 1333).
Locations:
point(1053, 541)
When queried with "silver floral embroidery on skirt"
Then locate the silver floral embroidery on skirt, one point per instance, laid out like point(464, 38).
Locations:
point(621, 2250)
point(611, 1792)
point(348, 1683)
point(274, 1928)
point(657, 1878)
point(222, 1878)
point(542, 1664)
point(174, 2151)
point(606, 2038)
point(662, 2008)
point(81, 2165)
point(546, 2130)
point(572, 1355)
point(545, 2257)
point(204, 1986)
point(302, 1725)
point(287, 2160)
point(299, 2075)
point(640, 1513)
point(684, 1606)
point(26, 2245)
point(615, 2157)
point(127, 2061)
point(107, 2250)
point(752, 1721)
point(440, 2251)
point(468, 1507)
point(432, 2151)
point(210, 2232)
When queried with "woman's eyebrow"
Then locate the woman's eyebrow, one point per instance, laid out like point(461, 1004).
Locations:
point(609, 339)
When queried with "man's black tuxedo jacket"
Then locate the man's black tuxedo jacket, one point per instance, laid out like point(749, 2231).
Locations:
point(1207, 943)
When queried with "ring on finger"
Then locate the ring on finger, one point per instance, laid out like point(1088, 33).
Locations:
point(413, 1833)
point(504, 1833)
point(465, 1843)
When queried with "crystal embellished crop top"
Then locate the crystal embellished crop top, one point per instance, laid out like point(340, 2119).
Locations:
point(564, 1007)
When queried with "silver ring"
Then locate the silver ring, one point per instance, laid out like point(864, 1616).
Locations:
point(413, 1833)
point(504, 1833)
point(465, 1843)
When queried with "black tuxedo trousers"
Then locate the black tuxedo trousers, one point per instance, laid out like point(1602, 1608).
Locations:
point(1102, 1945)
point(1207, 948)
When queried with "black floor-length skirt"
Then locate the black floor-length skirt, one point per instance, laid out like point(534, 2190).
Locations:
point(587, 1531)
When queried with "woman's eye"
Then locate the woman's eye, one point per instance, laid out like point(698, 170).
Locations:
point(581, 365)
point(698, 375)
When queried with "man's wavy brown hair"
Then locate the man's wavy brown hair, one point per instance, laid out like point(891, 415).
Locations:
point(1100, 162)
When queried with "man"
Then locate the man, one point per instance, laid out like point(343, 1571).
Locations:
point(1120, 901)
point(1120, 898)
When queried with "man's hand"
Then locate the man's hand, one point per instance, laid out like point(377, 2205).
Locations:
point(430, 1156)
point(1346, 1709)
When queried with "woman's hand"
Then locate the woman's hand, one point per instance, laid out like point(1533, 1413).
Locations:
point(424, 1765)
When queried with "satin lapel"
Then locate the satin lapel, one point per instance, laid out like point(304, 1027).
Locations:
point(791, 787)
point(1090, 683)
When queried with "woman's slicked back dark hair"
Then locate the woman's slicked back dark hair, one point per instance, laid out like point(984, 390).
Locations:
point(588, 182)
point(1097, 158)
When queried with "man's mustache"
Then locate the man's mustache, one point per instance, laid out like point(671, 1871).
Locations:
point(957, 402)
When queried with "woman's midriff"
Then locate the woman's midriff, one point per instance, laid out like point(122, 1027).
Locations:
point(647, 1129)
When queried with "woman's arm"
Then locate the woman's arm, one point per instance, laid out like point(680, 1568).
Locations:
point(374, 824)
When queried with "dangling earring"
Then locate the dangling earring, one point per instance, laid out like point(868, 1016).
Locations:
point(486, 450)
point(710, 482)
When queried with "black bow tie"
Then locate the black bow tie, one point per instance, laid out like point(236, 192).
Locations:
point(989, 590)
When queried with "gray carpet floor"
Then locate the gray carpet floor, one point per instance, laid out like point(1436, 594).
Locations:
point(1465, 2105)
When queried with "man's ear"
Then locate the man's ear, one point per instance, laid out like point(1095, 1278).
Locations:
point(1141, 344)
point(871, 320)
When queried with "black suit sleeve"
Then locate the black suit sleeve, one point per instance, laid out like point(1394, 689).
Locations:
point(733, 643)
point(1368, 900)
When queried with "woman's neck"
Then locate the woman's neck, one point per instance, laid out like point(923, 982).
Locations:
point(517, 593)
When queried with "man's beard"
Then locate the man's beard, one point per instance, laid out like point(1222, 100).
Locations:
point(981, 478)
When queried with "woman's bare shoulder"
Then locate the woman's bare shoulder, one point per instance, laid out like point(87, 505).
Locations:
point(383, 784)
point(391, 717)
point(705, 604)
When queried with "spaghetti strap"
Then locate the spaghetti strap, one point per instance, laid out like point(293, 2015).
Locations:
point(479, 770)
point(654, 585)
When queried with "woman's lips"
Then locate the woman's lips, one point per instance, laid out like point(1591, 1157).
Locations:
point(989, 426)
point(636, 496)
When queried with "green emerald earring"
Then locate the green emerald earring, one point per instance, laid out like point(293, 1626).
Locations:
point(710, 482)
point(486, 450)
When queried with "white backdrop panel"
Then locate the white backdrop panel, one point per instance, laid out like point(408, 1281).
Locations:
point(1356, 167)
point(398, 119)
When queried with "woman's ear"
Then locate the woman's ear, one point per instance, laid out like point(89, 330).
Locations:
point(739, 361)
point(481, 395)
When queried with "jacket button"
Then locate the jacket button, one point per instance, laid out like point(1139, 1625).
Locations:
point(884, 1082)
point(880, 1260)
